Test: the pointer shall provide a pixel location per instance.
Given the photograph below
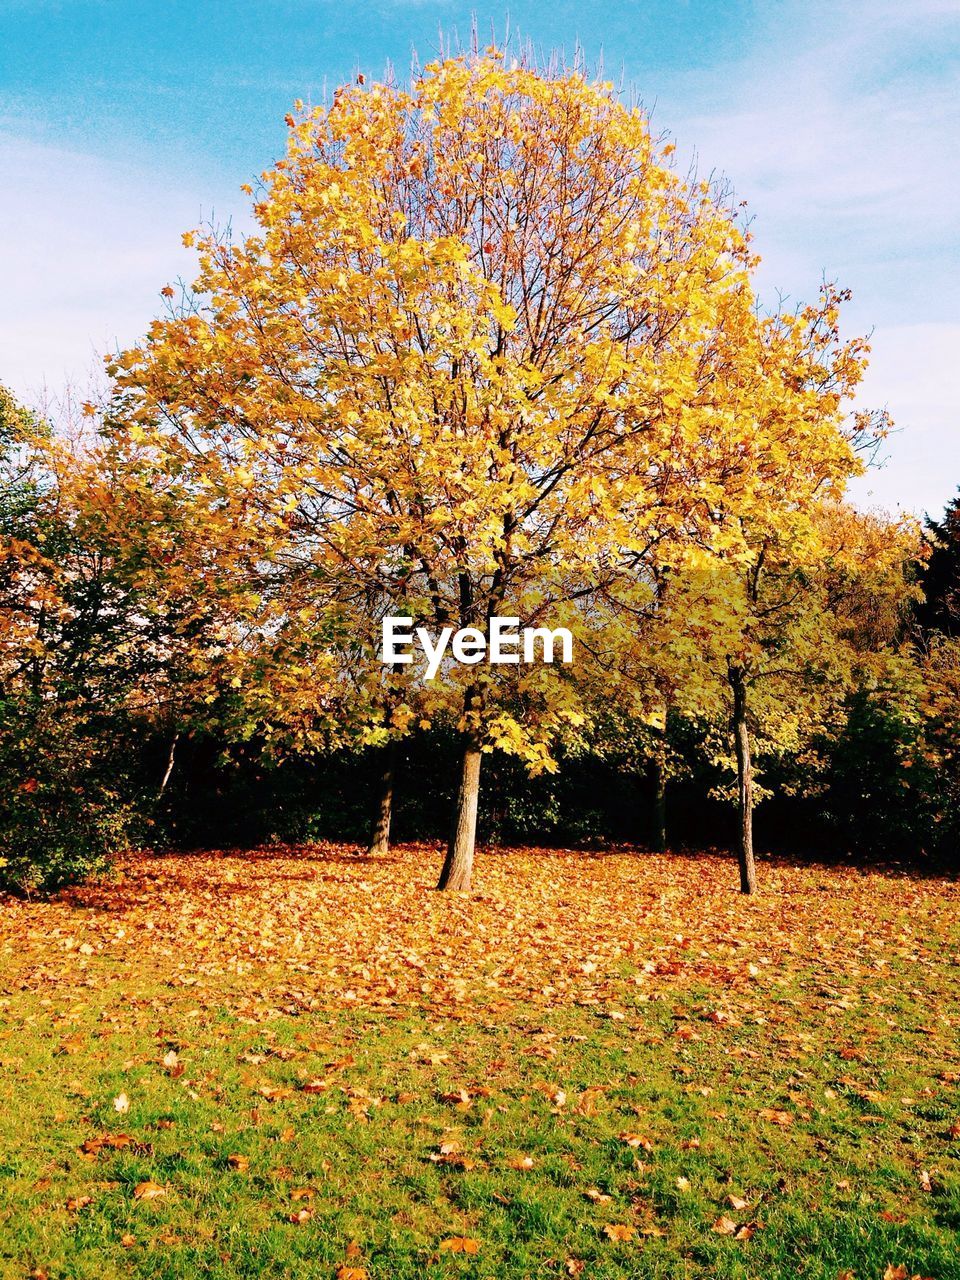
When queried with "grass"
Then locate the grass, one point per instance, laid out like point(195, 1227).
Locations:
point(326, 1068)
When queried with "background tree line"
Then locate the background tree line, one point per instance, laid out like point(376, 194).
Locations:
point(486, 353)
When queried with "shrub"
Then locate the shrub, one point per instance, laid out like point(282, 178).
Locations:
point(65, 814)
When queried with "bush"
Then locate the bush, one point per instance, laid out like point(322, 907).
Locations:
point(65, 814)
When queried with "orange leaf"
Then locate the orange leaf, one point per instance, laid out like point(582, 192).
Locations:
point(616, 1232)
point(782, 1118)
point(148, 1191)
point(636, 1140)
point(460, 1244)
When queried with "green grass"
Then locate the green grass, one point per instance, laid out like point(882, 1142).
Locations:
point(827, 1107)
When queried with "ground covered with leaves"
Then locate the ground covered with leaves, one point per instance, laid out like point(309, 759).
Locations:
point(303, 1062)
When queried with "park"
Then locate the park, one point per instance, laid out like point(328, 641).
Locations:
point(480, 788)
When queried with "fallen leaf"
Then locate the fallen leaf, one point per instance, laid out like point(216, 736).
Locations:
point(148, 1191)
point(636, 1140)
point(724, 1226)
point(121, 1104)
point(459, 1096)
point(783, 1118)
point(616, 1232)
point(113, 1141)
point(275, 1093)
point(460, 1244)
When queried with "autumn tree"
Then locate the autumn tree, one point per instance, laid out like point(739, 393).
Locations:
point(802, 623)
point(486, 354)
point(744, 599)
point(68, 656)
point(105, 641)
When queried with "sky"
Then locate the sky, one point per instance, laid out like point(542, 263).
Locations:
point(122, 124)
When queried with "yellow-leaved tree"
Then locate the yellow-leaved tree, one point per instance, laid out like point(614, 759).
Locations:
point(485, 352)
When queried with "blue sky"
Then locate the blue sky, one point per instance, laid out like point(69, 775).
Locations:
point(123, 123)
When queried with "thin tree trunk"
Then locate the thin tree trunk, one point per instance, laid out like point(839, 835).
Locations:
point(171, 759)
point(741, 734)
point(379, 845)
point(458, 864)
point(659, 806)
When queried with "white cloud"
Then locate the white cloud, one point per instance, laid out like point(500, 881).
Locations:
point(841, 127)
point(847, 137)
point(915, 374)
point(85, 246)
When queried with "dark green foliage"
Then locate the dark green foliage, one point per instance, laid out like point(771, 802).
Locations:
point(66, 808)
point(880, 796)
point(940, 579)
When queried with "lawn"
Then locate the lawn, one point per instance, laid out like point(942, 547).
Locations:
point(305, 1063)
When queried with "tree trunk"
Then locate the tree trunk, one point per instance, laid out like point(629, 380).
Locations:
point(171, 760)
point(379, 845)
point(741, 734)
point(458, 863)
point(659, 806)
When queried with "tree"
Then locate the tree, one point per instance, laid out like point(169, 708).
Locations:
point(940, 577)
point(65, 663)
point(105, 638)
point(810, 618)
point(940, 707)
point(486, 354)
